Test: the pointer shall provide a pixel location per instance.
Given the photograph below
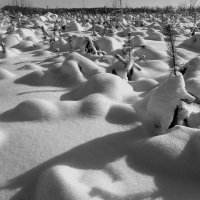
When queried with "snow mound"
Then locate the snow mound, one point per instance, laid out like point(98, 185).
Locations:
point(94, 105)
point(11, 40)
point(34, 78)
point(34, 109)
point(193, 42)
point(191, 114)
point(109, 85)
point(155, 25)
point(91, 106)
point(44, 53)
point(164, 99)
point(5, 74)
point(140, 33)
point(31, 66)
point(125, 32)
point(143, 84)
point(194, 119)
point(23, 32)
point(43, 18)
point(137, 41)
point(151, 30)
point(122, 114)
point(25, 45)
point(61, 182)
point(79, 67)
point(192, 76)
point(74, 26)
point(108, 44)
point(175, 153)
point(61, 44)
point(76, 41)
point(155, 36)
point(45, 78)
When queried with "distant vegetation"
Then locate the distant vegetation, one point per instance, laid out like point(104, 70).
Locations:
point(24, 8)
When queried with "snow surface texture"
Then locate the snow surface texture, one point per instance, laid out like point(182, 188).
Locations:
point(71, 129)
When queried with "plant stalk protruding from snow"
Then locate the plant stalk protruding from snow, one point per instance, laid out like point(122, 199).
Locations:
point(172, 49)
point(3, 46)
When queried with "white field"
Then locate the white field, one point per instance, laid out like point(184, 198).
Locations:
point(71, 130)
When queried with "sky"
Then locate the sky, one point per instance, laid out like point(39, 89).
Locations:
point(95, 3)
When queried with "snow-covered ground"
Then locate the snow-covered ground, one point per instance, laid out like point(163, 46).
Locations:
point(72, 130)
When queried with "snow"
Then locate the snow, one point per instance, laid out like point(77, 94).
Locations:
point(71, 130)
point(164, 99)
point(5, 74)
